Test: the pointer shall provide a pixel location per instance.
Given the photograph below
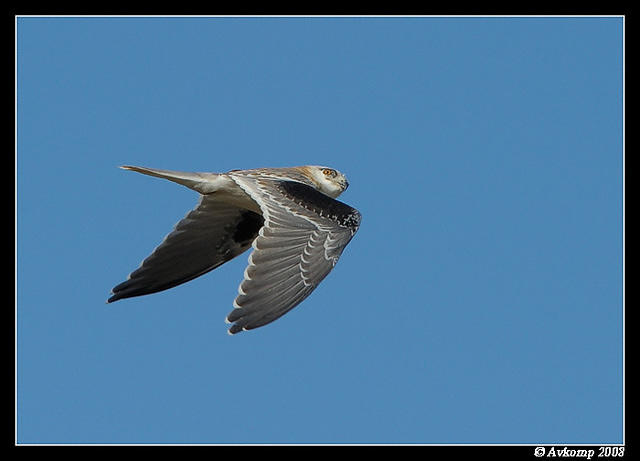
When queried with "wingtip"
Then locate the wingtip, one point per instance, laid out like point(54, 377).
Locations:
point(234, 330)
point(229, 322)
point(113, 297)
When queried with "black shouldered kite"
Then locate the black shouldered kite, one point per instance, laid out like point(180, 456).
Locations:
point(288, 215)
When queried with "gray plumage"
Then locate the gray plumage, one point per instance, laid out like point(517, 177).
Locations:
point(297, 231)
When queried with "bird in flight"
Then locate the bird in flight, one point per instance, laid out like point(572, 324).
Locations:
point(288, 215)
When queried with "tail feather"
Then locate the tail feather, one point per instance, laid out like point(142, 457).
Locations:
point(200, 182)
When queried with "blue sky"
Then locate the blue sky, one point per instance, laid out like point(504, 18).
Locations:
point(480, 301)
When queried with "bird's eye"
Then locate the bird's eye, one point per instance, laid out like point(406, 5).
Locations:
point(329, 172)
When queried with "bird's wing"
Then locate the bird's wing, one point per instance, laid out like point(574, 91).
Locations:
point(209, 235)
point(304, 234)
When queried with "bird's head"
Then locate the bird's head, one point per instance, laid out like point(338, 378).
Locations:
point(327, 180)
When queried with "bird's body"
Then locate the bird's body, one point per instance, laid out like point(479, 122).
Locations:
point(288, 215)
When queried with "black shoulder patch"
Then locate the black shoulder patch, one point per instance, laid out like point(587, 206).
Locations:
point(248, 227)
point(321, 204)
